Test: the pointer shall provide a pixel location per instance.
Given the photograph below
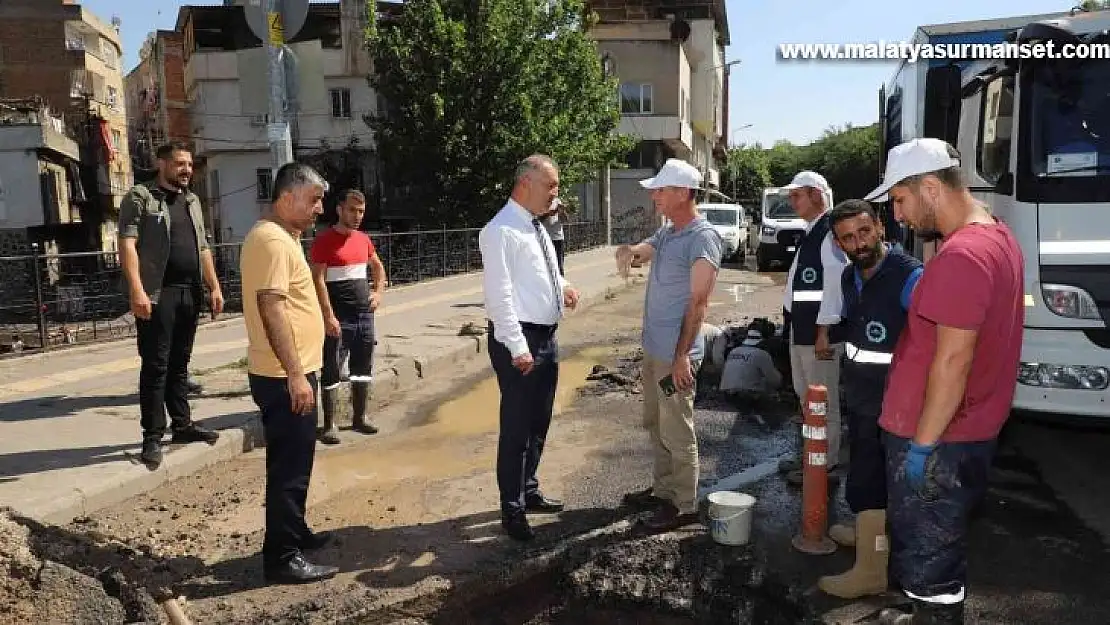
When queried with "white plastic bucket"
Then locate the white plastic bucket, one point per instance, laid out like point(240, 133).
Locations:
point(730, 517)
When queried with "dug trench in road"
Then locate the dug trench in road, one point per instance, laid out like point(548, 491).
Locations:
point(415, 510)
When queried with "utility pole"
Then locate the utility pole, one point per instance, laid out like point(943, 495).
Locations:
point(277, 130)
point(606, 205)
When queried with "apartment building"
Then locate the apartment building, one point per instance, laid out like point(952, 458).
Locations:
point(157, 107)
point(58, 51)
point(225, 83)
point(670, 59)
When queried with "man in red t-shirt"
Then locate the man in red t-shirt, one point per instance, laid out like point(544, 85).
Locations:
point(952, 378)
point(342, 256)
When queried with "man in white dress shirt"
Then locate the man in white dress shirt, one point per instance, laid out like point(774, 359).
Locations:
point(525, 297)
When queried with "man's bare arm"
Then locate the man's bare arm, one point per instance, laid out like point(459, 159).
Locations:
point(946, 383)
point(703, 277)
point(129, 259)
point(319, 280)
point(271, 307)
point(377, 272)
point(208, 266)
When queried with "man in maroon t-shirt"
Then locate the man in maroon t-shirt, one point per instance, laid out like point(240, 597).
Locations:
point(952, 378)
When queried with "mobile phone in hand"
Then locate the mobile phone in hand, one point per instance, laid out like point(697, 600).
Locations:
point(667, 385)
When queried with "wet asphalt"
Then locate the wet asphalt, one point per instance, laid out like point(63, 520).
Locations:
point(1038, 546)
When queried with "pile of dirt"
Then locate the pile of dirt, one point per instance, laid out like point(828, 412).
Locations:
point(669, 579)
point(623, 378)
point(50, 575)
point(688, 577)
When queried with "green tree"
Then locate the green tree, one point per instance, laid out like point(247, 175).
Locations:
point(746, 173)
point(1095, 5)
point(474, 86)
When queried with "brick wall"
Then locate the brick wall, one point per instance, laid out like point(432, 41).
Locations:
point(178, 123)
point(35, 60)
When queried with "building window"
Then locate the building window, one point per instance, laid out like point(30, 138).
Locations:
point(264, 179)
point(637, 98)
point(113, 97)
point(646, 155)
point(340, 103)
point(682, 103)
point(117, 140)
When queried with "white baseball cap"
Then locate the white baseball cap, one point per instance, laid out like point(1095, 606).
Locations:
point(917, 156)
point(807, 179)
point(674, 173)
point(754, 338)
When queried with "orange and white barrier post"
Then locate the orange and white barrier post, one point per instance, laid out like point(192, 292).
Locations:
point(813, 538)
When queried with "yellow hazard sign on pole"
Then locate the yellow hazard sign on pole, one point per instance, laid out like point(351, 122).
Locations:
point(277, 29)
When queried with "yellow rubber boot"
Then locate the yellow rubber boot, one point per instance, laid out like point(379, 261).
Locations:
point(868, 576)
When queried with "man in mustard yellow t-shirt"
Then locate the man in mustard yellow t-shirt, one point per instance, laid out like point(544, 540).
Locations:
point(285, 334)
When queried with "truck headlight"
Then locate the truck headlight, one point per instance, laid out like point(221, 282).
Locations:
point(1069, 301)
point(768, 231)
point(1071, 377)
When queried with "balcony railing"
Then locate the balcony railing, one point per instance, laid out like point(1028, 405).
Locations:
point(52, 300)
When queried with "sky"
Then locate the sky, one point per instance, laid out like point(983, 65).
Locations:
point(791, 100)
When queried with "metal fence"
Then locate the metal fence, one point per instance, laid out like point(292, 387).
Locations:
point(49, 300)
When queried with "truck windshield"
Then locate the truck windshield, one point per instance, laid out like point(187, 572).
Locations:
point(1071, 119)
point(779, 207)
point(721, 216)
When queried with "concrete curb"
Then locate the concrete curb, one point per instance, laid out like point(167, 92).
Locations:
point(130, 479)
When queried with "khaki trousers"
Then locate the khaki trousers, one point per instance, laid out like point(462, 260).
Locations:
point(807, 369)
point(670, 422)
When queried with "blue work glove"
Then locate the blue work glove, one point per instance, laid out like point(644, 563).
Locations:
point(917, 456)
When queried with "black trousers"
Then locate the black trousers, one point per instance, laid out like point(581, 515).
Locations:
point(865, 488)
point(929, 530)
point(290, 452)
point(165, 344)
point(560, 253)
point(357, 341)
point(526, 405)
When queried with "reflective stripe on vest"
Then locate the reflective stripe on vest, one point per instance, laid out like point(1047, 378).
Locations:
point(856, 354)
point(808, 296)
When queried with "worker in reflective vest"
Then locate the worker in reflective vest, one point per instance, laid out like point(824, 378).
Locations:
point(813, 301)
point(877, 289)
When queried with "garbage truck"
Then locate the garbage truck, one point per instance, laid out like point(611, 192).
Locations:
point(1033, 131)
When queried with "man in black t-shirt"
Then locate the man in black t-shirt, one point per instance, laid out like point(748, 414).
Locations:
point(166, 259)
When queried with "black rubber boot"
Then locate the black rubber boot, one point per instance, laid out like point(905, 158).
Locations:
point(330, 434)
point(360, 395)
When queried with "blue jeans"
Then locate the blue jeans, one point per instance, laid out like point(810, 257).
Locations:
point(929, 530)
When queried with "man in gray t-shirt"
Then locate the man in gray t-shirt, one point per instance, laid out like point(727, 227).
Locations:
point(685, 257)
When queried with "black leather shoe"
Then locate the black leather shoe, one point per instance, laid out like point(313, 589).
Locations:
point(195, 434)
point(643, 499)
point(539, 503)
point(667, 519)
point(152, 452)
point(317, 540)
point(193, 387)
point(299, 571)
point(516, 526)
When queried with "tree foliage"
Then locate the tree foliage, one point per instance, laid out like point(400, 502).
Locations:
point(1095, 5)
point(847, 157)
point(474, 86)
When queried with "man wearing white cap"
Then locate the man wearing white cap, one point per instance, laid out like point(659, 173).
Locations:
point(749, 370)
point(685, 257)
point(952, 377)
point(813, 301)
